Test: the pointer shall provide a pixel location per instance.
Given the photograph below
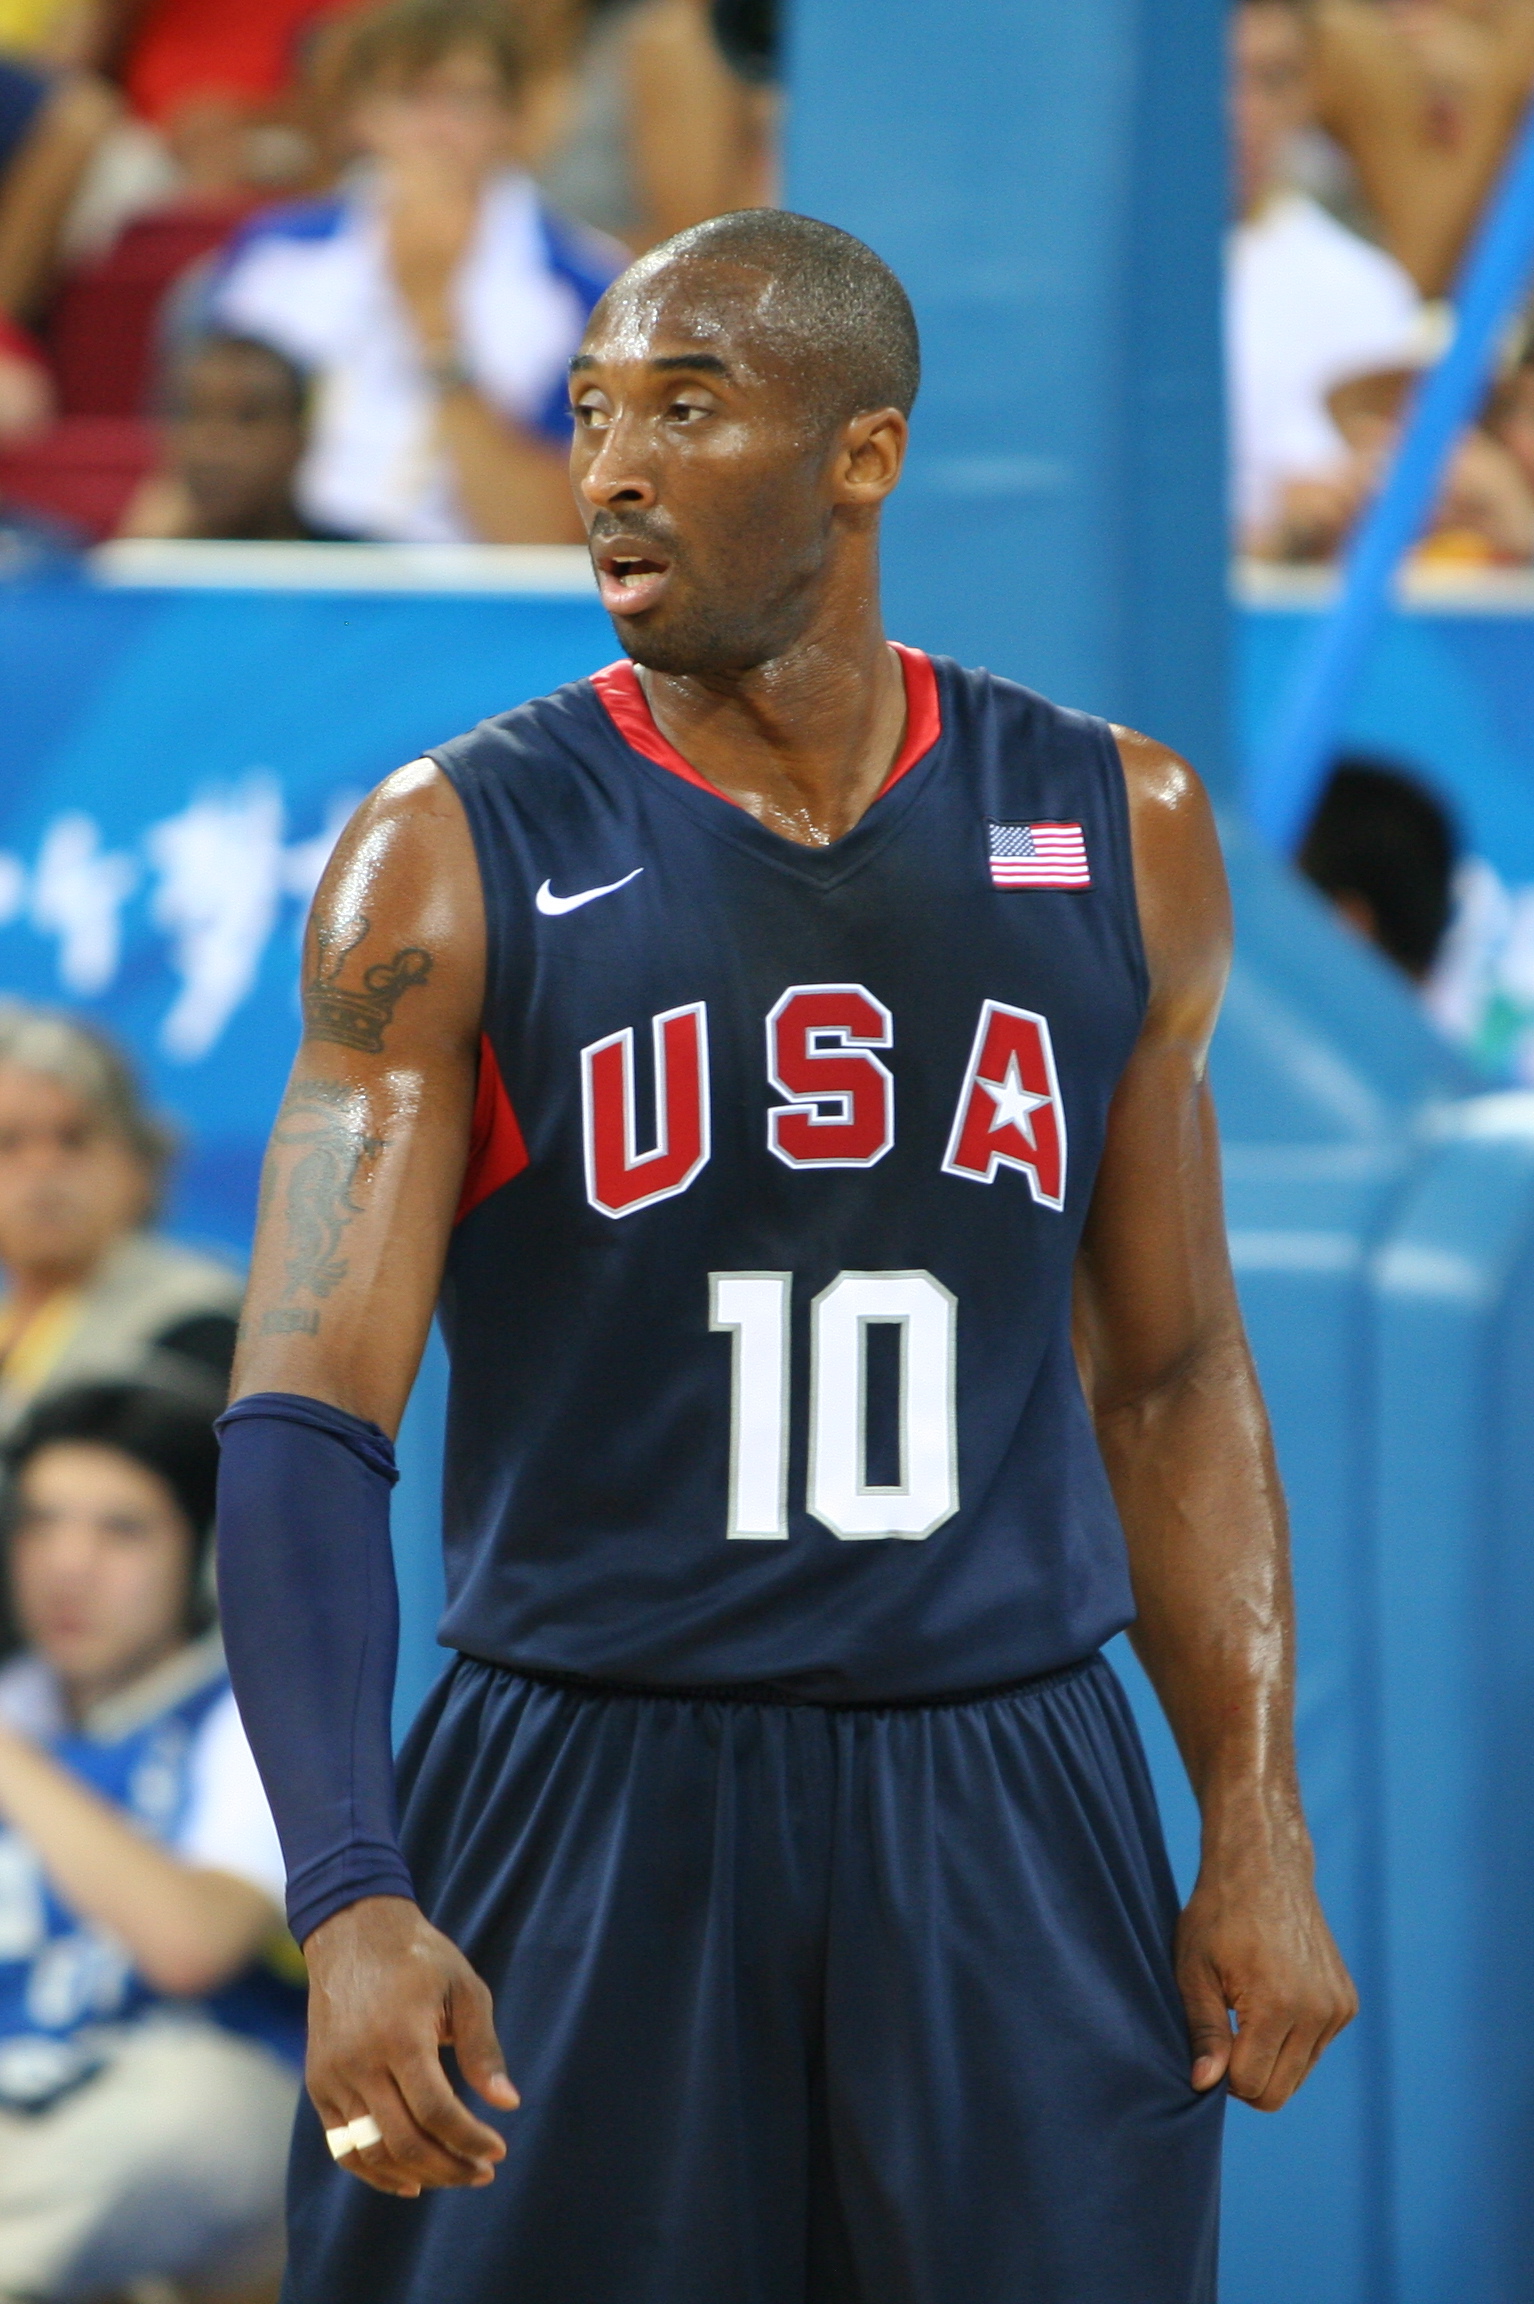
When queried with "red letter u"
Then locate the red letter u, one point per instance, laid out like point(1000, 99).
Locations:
point(619, 1177)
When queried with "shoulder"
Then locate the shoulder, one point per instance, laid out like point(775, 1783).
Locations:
point(279, 255)
point(292, 224)
point(168, 1279)
point(1180, 882)
point(30, 1701)
point(586, 260)
point(528, 743)
point(973, 694)
point(1299, 239)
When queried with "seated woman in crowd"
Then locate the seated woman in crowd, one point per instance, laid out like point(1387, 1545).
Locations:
point(149, 2044)
point(436, 299)
point(90, 1291)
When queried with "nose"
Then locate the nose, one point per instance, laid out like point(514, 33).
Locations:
point(615, 479)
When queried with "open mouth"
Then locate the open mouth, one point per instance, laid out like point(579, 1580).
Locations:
point(629, 580)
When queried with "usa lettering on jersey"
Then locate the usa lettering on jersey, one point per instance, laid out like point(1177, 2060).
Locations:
point(840, 1110)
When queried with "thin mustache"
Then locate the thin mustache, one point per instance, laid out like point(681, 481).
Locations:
point(638, 525)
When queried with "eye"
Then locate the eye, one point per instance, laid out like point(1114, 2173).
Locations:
point(592, 416)
point(685, 411)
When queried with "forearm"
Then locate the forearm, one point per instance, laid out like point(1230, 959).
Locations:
point(513, 488)
point(1192, 1468)
point(186, 1930)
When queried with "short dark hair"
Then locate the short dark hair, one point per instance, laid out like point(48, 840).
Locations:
point(837, 301)
point(405, 38)
point(159, 1429)
point(1380, 833)
point(296, 380)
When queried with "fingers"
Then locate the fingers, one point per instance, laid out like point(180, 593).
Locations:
point(413, 2152)
point(1209, 2033)
point(374, 2167)
point(443, 2120)
point(1268, 2061)
point(471, 2014)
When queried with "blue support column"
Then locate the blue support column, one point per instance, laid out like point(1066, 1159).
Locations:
point(1049, 183)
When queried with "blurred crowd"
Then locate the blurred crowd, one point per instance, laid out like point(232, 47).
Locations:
point(1366, 136)
point(313, 268)
point(151, 2005)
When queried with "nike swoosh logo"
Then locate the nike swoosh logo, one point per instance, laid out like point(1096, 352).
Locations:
point(547, 901)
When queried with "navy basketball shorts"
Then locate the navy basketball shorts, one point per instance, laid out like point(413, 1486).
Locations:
point(806, 2005)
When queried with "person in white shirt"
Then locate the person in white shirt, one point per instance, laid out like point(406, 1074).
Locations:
point(1309, 304)
point(436, 298)
point(151, 2021)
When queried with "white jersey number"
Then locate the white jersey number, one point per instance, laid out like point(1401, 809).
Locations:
point(753, 1307)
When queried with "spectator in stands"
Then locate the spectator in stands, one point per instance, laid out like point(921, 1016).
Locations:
point(51, 129)
point(663, 130)
point(1309, 303)
point(1484, 513)
point(1511, 417)
point(437, 299)
point(26, 389)
point(92, 1292)
point(1382, 850)
point(1423, 97)
point(150, 2016)
point(236, 429)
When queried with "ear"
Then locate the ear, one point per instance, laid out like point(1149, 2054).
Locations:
point(869, 459)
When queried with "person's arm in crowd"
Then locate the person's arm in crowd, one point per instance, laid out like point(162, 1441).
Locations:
point(187, 1930)
point(692, 134)
point(1185, 1438)
point(513, 486)
point(362, 1180)
point(42, 181)
point(1425, 178)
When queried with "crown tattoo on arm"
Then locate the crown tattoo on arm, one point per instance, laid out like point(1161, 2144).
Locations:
point(358, 1019)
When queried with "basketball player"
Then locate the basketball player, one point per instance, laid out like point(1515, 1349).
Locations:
point(755, 1049)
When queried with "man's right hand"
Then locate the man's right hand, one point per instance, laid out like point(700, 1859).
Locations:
point(387, 1992)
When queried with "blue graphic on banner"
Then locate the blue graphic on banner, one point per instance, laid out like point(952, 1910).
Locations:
point(174, 768)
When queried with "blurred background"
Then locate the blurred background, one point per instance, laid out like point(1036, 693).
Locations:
point(1227, 432)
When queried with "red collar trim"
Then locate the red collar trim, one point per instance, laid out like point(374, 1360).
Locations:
point(627, 706)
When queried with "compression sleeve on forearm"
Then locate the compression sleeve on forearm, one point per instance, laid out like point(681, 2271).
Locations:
point(311, 1630)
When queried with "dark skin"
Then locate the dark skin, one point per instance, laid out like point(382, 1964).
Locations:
point(235, 439)
point(737, 542)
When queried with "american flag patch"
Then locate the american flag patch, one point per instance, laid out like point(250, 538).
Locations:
point(1038, 856)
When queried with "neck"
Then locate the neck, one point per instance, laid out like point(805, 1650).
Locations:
point(82, 1694)
point(274, 524)
point(803, 741)
point(29, 1291)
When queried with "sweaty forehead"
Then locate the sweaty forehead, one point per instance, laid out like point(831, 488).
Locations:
point(725, 310)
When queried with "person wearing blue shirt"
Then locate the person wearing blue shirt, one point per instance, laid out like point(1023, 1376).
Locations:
point(149, 2039)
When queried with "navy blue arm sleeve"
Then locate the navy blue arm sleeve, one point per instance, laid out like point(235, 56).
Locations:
point(311, 1629)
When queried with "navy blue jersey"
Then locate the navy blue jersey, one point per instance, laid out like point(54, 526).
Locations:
point(759, 1304)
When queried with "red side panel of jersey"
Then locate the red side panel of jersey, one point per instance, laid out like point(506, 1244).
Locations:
point(496, 1148)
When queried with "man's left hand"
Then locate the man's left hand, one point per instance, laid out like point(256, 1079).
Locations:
point(1254, 1941)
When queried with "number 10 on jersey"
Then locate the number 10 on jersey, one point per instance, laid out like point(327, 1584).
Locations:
point(753, 1308)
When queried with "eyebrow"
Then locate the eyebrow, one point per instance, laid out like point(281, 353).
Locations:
point(708, 363)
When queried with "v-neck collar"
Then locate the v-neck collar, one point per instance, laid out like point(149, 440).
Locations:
point(624, 701)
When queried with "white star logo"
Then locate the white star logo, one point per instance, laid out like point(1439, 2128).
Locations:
point(1015, 1104)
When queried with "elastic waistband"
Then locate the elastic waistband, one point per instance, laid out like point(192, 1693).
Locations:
point(766, 1693)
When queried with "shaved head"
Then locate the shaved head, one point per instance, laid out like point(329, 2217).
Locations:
point(740, 409)
point(829, 307)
